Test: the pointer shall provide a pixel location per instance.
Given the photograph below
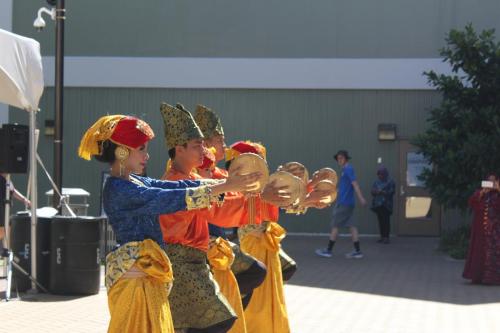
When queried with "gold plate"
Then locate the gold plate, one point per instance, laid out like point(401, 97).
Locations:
point(327, 185)
point(297, 169)
point(249, 163)
point(324, 174)
point(293, 184)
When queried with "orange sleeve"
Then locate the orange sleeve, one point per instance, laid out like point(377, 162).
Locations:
point(235, 210)
point(270, 212)
point(185, 227)
point(230, 213)
point(258, 216)
point(219, 173)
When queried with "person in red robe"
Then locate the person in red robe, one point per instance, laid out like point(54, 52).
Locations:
point(483, 259)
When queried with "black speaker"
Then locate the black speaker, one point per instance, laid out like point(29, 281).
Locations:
point(75, 256)
point(14, 143)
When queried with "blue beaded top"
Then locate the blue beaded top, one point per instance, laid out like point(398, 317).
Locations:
point(133, 209)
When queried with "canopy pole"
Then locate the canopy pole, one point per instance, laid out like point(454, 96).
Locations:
point(59, 92)
point(34, 195)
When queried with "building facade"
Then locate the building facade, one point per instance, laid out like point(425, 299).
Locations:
point(304, 78)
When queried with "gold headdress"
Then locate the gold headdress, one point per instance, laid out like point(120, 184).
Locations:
point(123, 130)
point(180, 126)
point(101, 131)
point(208, 121)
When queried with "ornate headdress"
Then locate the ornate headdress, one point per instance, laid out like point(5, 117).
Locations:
point(208, 121)
point(123, 130)
point(180, 126)
point(242, 147)
point(208, 158)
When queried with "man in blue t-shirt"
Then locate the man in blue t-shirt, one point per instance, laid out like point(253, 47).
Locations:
point(344, 207)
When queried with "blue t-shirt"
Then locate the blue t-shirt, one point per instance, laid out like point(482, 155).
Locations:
point(346, 190)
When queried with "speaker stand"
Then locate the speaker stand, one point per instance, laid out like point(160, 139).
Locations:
point(11, 263)
point(7, 252)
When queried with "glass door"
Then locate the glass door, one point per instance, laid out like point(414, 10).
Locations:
point(419, 214)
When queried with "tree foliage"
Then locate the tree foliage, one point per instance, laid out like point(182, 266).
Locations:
point(463, 138)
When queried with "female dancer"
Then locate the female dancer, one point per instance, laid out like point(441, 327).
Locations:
point(139, 274)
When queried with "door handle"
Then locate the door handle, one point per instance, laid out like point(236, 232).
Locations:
point(401, 190)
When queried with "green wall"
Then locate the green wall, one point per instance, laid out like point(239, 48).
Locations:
point(295, 125)
point(258, 28)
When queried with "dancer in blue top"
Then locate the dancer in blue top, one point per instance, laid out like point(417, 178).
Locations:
point(139, 273)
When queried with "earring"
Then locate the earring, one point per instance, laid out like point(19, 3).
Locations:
point(121, 154)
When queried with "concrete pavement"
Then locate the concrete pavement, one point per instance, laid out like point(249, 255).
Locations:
point(404, 287)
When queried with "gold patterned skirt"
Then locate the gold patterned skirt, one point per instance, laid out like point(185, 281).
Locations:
point(138, 279)
point(195, 299)
point(243, 260)
point(221, 258)
point(266, 311)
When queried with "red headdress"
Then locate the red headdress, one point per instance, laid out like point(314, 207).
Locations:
point(123, 130)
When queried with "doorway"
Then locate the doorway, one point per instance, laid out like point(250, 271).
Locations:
point(418, 213)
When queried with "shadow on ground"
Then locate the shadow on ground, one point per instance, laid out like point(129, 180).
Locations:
point(42, 297)
point(409, 267)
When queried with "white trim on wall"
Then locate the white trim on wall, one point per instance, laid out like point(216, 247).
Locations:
point(251, 73)
point(4, 113)
point(5, 24)
point(6, 14)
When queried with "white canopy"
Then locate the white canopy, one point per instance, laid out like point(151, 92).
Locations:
point(21, 74)
point(21, 85)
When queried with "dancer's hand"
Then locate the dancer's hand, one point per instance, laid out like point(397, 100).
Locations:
point(294, 169)
point(238, 183)
point(276, 195)
point(314, 198)
point(318, 205)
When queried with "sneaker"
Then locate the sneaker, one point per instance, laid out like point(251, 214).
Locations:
point(354, 255)
point(324, 253)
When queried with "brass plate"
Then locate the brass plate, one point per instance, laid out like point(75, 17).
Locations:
point(324, 174)
point(293, 184)
point(327, 185)
point(297, 169)
point(249, 163)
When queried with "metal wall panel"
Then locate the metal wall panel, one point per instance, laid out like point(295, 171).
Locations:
point(259, 28)
point(295, 125)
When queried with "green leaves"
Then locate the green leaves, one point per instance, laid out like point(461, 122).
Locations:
point(463, 138)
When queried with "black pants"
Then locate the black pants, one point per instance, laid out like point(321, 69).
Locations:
point(251, 279)
point(384, 223)
point(289, 271)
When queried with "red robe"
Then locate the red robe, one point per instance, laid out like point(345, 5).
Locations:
point(483, 258)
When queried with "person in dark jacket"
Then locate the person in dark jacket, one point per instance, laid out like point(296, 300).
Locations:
point(382, 203)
